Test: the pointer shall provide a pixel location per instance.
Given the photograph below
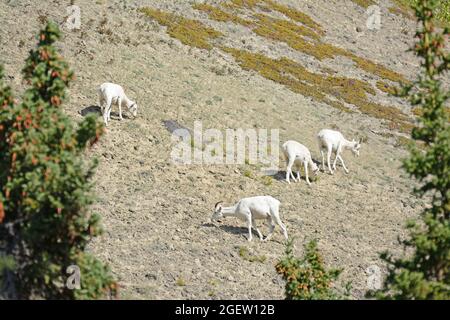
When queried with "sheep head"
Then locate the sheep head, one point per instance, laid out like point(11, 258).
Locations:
point(217, 211)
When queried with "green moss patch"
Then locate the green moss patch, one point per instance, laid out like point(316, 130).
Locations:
point(338, 92)
point(320, 87)
point(290, 32)
point(269, 5)
point(364, 3)
point(295, 15)
point(245, 254)
point(387, 88)
point(189, 32)
point(305, 38)
point(240, 4)
point(220, 15)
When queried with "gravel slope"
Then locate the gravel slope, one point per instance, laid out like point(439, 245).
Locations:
point(158, 239)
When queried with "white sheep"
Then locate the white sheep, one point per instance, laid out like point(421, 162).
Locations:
point(109, 94)
point(334, 141)
point(250, 209)
point(297, 154)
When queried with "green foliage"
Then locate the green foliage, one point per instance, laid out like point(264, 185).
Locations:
point(189, 32)
point(425, 274)
point(180, 282)
point(307, 278)
point(441, 10)
point(45, 187)
point(7, 264)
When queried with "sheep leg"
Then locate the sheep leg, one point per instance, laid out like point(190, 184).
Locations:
point(343, 164)
point(287, 175)
point(271, 228)
point(257, 230)
point(298, 174)
point(249, 226)
point(289, 170)
point(282, 226)
point(335, 160)
point(109, 105)
point(106, 111)
point(305, 164)
point(329, 159)
point(323, 159)
point(338, 152)
point(102, 105)
point(119, 102)
point(292, 176)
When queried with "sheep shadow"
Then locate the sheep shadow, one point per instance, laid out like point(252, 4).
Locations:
point(234, 230)
point(281, 174)
point(243, 231)
point(227, 228)
point(93, 109)
point(238, 231)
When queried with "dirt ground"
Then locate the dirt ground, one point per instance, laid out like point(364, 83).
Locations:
point(158, 239)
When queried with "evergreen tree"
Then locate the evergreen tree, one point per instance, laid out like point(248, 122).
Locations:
point(307, 278)
point(45, 185)
point(425, 273)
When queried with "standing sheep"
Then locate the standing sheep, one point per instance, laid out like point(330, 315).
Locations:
point(297, 154)
point(331, 140)
point(109, 94)
point(251, 209)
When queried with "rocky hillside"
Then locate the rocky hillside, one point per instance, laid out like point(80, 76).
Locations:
point(295, 66)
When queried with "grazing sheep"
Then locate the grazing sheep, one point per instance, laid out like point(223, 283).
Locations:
point(109, 94)
point(250, 209)
point(297, 154)
point(331, 140)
